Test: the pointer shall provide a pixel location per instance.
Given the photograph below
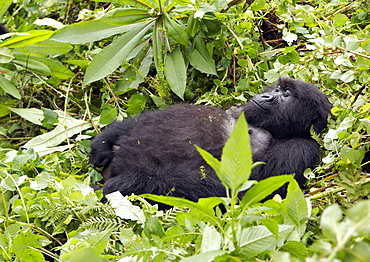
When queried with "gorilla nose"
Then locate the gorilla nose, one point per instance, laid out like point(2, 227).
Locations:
point(267, 97)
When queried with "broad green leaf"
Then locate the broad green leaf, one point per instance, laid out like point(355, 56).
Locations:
point(57, 69)
point(28, 38)
point(200, 58)
point(116, 53)
point(125, 16)
point(108, 114)
point(99, 240)
point(89, 31)
point(236, 159)
point(124, 208)
point(29, 63)
point(330, 222)
point(5, 55)
point(4, 4)
point(144, 60)
point(360, 215)
point(340, 19)
point(211, 239)
point(41, 181)
point(256, 239)
point(175, 31)
point(175, 72)
point(264, 188)
point(295, 210)
point(46, 48)
point(136, 104)
point(9, 87)
point(204, 257)
point(140, 4)
point(348, 76)
point(258, 5)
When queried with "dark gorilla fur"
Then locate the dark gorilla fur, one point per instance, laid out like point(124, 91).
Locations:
point(155, 152)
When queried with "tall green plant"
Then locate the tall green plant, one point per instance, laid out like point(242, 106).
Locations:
point(151, 33)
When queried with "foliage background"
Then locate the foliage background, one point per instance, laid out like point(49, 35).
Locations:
point(69, 68)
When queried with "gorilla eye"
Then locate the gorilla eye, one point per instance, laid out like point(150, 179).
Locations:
point(250, 131)
point(286, 93)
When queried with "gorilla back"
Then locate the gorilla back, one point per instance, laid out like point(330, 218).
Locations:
point(155, 152)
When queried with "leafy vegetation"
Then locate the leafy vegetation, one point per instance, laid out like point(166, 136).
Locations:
point(68, 68)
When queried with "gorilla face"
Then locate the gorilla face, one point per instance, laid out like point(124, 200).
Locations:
point(260, 139)
point(289, 108)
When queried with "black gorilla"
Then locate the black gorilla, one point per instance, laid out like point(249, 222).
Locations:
point(155, 152)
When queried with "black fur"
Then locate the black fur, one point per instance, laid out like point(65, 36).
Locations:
point(155, 152)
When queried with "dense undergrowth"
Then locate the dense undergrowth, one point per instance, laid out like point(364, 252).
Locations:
point(69, 68)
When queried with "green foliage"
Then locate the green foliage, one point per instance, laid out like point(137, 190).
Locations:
point(72, 67)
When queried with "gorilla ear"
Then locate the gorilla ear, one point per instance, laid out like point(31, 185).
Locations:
point(321, 120)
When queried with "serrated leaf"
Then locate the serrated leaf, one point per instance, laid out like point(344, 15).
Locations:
point(116, 53)
point(9, 87)
point(211, 239)
point(124, 208)
point(5, 55)
point(175, 72)
point(200, 58)
point(114, 22)
point(175, 31)
point(47, 48)
point(236, 159)
point(28, 38)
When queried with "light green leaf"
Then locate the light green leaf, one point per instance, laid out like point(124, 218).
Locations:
point(116, 53)
point(204, 257)
point(140, 4)
point(211, 239)
point(264, 188)
point(175, 72)
point(57, 69)
point(200, 58)
point(46, 48)
point(114, 22)
point(175, 31)
point(330, 222)
point(340, 19)
point(4, 4)
point(348, 76)
point(258, 5)
point(236, 159)
point(124, 208)
point(41, 181)
point(28, 38)
point(211, 160)
point(5, 55)
point(29, 63)
point(9, 87)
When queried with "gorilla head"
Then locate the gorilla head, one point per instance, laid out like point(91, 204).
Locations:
point(289, 108)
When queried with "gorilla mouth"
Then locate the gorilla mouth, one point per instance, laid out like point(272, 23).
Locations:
point(259, 105)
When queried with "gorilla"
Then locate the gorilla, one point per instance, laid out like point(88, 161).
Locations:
point(154, 153)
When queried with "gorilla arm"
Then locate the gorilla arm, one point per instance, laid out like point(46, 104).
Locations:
point(287, 156)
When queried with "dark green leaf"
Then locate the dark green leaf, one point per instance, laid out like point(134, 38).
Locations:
point(9, 87)
point(175, 31)
point(200, 58)
point(175, 72)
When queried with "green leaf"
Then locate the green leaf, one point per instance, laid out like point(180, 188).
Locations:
point(29, 63)
point(9, 87)
point(158, 49)
point(211, 239)
point(5, 55)
point(116, 53)
point(99, 240)
point(28, 38)
point(264, 188)
point(340, 19)
point(175, 72)
point(206, 211)
point(258, 5)
point(206, 256)
point(114, 22)
point(46, 48)
point(236, 159)
point(330, 222)
point(108, 114)
point(41, 181)
point(211, 160)
point(200, 58)
point(295, 210)
point(50, 117)
point(4, 4)
point(57, 69)
point(124, 208)
point(136, 104)
point(175, 31)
